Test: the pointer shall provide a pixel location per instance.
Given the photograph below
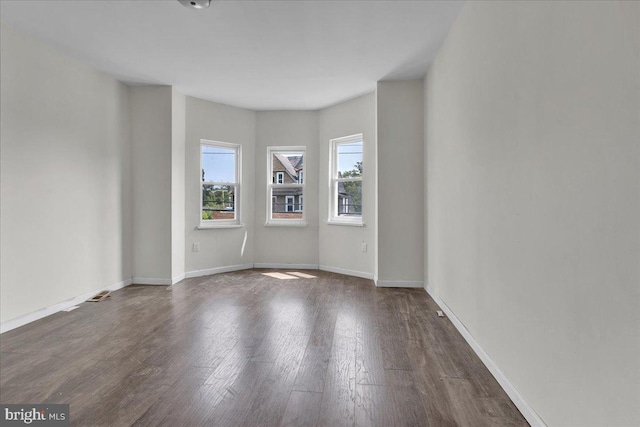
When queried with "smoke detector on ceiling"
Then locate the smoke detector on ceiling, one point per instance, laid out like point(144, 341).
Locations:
point(195, 4)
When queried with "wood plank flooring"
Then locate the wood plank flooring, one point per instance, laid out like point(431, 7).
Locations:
point(245, 349)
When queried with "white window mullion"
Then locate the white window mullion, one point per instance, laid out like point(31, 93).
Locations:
point(348, 179)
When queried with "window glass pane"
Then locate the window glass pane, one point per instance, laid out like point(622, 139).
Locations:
point(287, 168)
point(218, 201)
point(286, 203)
point(349, 157)
point(218, 164)
point(349, 196)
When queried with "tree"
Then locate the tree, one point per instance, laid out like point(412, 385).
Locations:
point(357, 172)
point(353, 188)
point(215, 198)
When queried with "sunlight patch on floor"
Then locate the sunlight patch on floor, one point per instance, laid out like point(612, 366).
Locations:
point(289, 275)
point(303, 275)
point(280, 276)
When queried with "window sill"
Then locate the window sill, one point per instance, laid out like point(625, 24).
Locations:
point(285, 224)
point(210, 226)
point(347, 223)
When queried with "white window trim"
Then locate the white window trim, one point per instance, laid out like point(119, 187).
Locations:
point(300, 204)
point(270, 184)
point(278, 175)
point(222, 223)
point(333, 217)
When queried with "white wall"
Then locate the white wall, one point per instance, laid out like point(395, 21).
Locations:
point(400, 225)
point(65, 179)
point(533, 175)
point(178, 134)
point(152, 188)
point(218, 247)
point(278, 244)
point(340, 246)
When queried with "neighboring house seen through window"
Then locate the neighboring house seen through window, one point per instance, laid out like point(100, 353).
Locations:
point(346, 180)
point(220, 183)
point(290, 201)
point(285, 188)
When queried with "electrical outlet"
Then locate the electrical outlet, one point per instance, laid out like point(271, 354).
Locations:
point(363, 247)
point(196, 247)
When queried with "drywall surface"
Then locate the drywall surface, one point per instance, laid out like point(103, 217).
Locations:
point(400, 181)
point(286, 244)
point(533, 175)
point(178, 129)
point(340, 245)
point(218, 247)
point(152, 151)
point(65, 178)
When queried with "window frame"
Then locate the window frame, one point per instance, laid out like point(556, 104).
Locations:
point(286, 222)
point(333, 217)
point(222, 223)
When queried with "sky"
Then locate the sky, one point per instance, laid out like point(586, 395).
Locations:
point(219, 163)
point(349, 155)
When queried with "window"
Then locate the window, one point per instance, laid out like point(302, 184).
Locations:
point(285, 185)
point(290, 200)
point(220, 183)
point(346, 180)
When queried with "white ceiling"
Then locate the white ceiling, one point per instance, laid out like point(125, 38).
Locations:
point(264, 55)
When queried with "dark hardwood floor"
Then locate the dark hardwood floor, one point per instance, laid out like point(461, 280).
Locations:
point(244, 348)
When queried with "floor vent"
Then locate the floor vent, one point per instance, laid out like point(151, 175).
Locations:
point(99, 297)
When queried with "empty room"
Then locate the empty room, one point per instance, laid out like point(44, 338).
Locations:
point(319, 213)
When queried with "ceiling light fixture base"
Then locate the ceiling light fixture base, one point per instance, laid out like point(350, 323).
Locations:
point(195, 4)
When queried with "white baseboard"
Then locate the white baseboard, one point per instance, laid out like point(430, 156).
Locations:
point(399, 283)
point(152, 281)
point(217, 270)
point(178, 278)
point(47, 311)
point(286, 266)
point(527, 411)
point(346, 272)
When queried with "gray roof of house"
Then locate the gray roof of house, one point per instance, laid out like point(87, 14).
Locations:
point(297, 162)
point(341, 189)
point(287, 165)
